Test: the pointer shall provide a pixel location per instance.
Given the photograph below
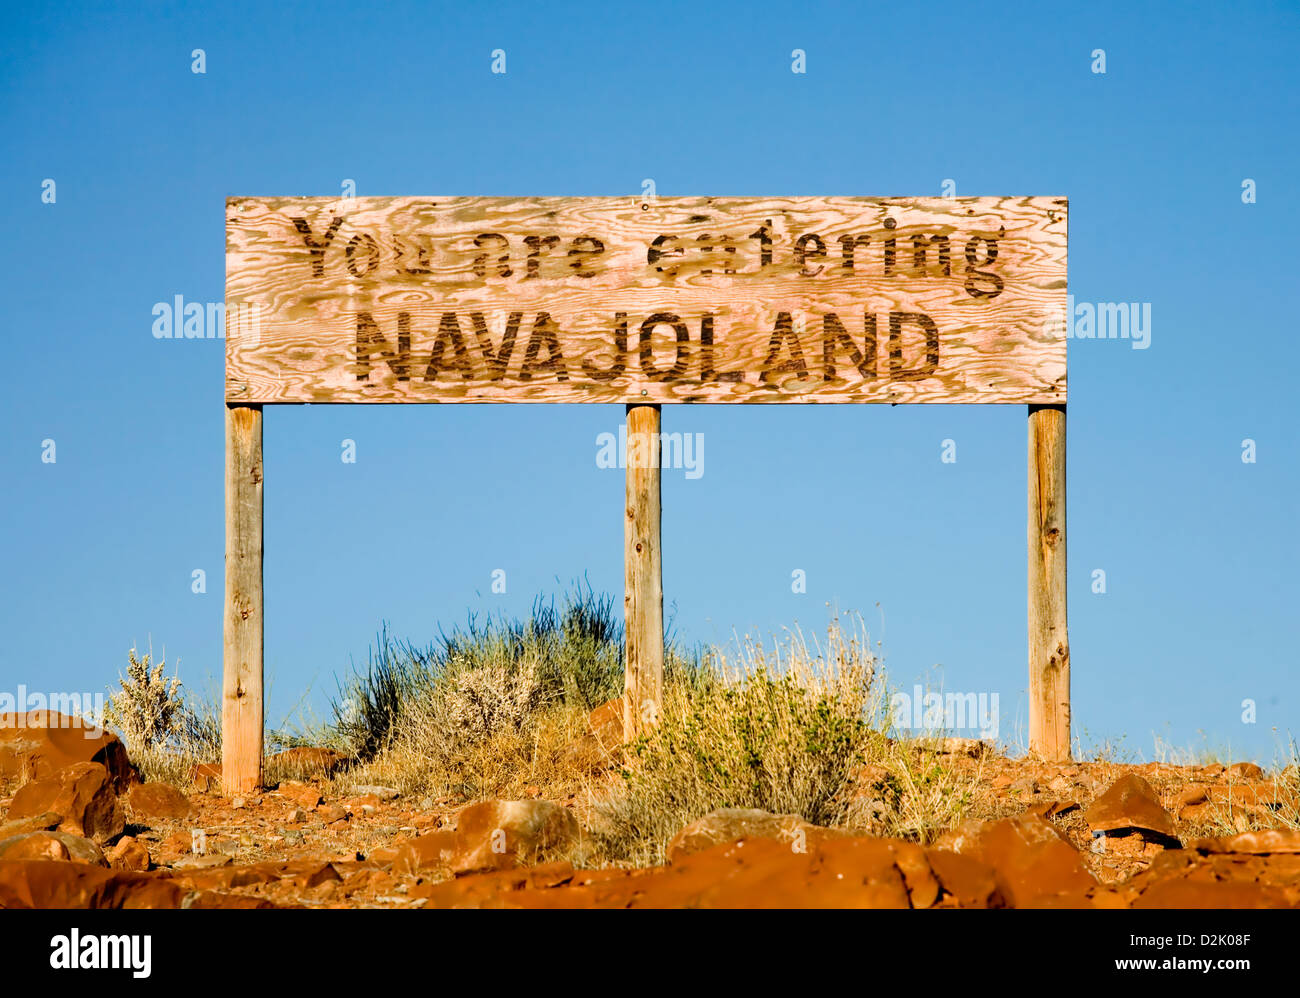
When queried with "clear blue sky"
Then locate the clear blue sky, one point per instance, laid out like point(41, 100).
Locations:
point(1199, 548)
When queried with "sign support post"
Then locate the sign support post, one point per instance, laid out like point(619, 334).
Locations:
point(643, 598)
point(1049, 642)
point(241, 694)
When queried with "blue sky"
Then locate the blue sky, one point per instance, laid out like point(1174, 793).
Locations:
point(1198, 547)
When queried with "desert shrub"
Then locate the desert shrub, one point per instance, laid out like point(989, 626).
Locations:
point(576, 648)
point(445, 718)
point(165, 732)
point(758, 732)
point(590, 646)
point(490, 674)
point(368, 704)
point(482, 701)
point(148, 707)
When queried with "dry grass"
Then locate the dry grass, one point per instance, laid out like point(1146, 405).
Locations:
point(538, 758)
point(495, 709)
point(915, 792)
point(164, 732)
point(798, 729)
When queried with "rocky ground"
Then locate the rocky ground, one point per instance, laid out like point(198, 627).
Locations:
point(78, 830)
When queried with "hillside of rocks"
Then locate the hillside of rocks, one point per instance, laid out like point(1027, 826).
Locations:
point(79, 829)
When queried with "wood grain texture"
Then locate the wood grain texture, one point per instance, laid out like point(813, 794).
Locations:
point(643, 594)
point(799, 299)
point(1049, 641)
point(241, 700)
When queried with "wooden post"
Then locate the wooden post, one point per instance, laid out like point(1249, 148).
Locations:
point(643, 600)
point(241, 700)
point(1049, 642)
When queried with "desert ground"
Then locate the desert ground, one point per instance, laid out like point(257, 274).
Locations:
point(495, 768)
point(81, 830)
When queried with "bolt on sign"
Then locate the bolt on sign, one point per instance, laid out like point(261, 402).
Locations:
point(800, 299)
point(795, 299)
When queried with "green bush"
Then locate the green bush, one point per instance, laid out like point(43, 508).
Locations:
point(781, 736)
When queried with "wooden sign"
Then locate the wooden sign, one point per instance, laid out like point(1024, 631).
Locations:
point(643, 302)
point(801, 299)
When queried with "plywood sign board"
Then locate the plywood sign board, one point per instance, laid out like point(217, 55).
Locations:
point(698, 299)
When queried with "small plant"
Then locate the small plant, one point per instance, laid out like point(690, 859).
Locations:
point(149, 709)
point(780, 736)
point(164, 731)
point(482, 701)
point(368, 706)
point(490, 673)
point(492, 706)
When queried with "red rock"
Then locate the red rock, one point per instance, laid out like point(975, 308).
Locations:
point(83, 793)
point(1129, 802)
point(210, 900)
point(206, 777)
point(302, 794)
point(304, 762)
point(1031, 860)
point(965, 879)
point(424, 822)
point(1244, 771)
point(128, 853)
point(605, 723)
point(923, 887)
point(491, 835)
point(755, 873)
point(225, 876)
point(1060, 785)
point(178, 843)
point(497, 833)
point(52, 846)
point(1194, 794)
point(321, 873)
point(1196, 813)
point(1189, 894)
point(1052, 808)
point(38, 744)
point(205, 862)
point(45, 822)
point(1272, 840)
point(35, 845)
point(157, 802)
point(424, 853)
point(731, 824)
point(330, 813)
point(1254, 797)
point(37, 884)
